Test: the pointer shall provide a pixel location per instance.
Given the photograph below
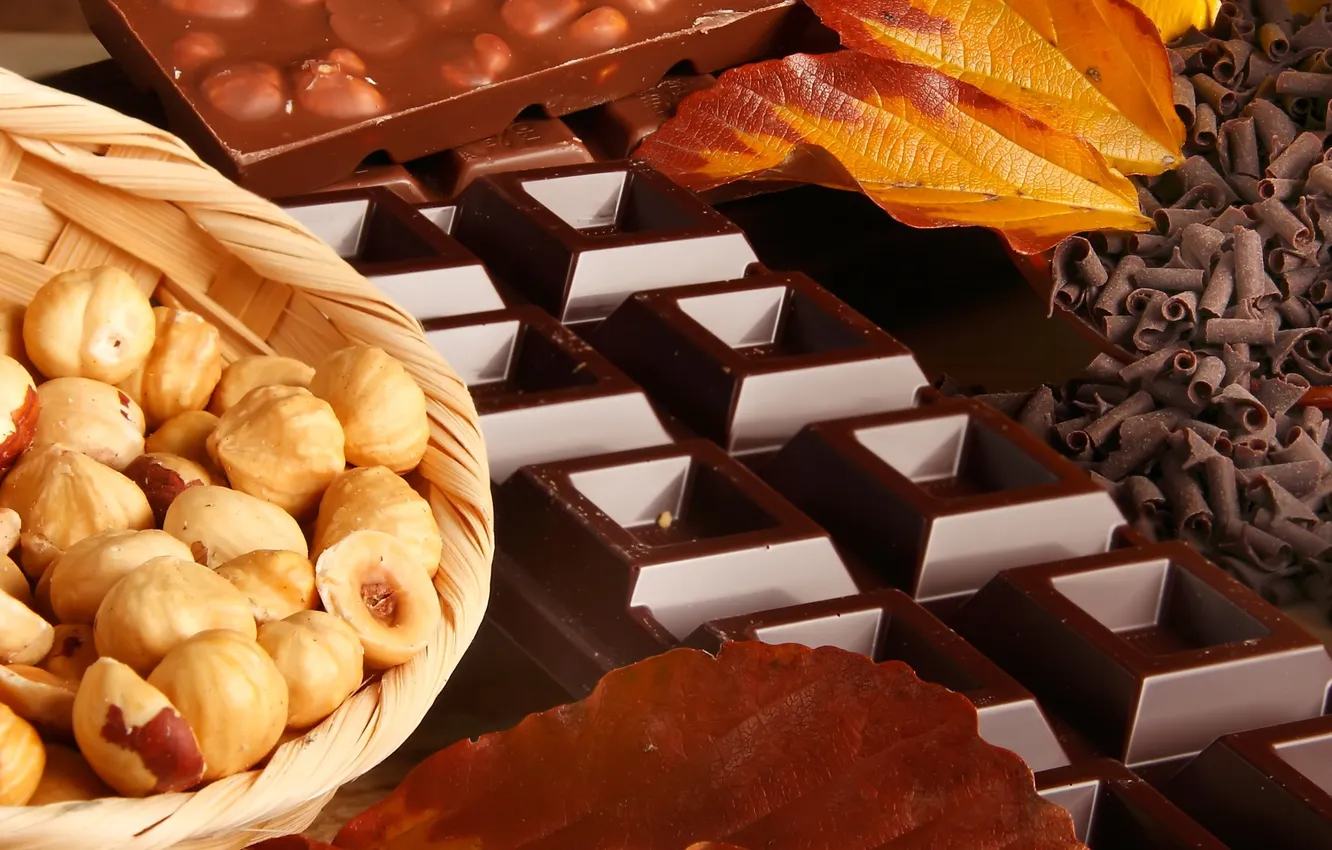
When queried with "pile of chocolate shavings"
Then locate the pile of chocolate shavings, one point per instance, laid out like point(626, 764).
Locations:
point(1228, 305)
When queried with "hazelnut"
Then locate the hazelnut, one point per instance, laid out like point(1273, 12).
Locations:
point(90, 417)
point(219, 524)
point(131, 734)
point(22, 759)
point(182, 369)
point(19, 401)
point(186, 436)
point(282, 445)
point(370, 580)
point(68, 778)
point(374, 498)
point(25, 637)
point(162, 604)
point(82, 577)
point(13, 582)
point(73, 651)
point(90, 323)
point(277, 583)
point(11, 333)
point(162, 477)
point(321, 659)
point(245, 91)
point(232, 694)
point(63, 496)
point(39, 697)
point(382, 410)
point(257, 370)
point(41, 597)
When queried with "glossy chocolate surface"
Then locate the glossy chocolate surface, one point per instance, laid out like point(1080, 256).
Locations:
point(615, 129)
point(287, 96)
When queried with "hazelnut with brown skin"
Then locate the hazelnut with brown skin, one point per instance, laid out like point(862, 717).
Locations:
point(90, 417)
point(281, 444)
point(258, 370)
point(381, 408)
point(73, 651)
point(181, 371)
point(160, 605)
point(68, 778)
point(22, 759)
point(39, 697)
point(219, 524)
point(82, 577)
point(186, 435)
point(277, 583)
point(321, 659)
point(375, 498)
point(90, 323)
point(19, 408)
point(132, 736)
point(25, 638)
point(370, 580)
point(232, 694)
point(162, 477)
point(63, 496)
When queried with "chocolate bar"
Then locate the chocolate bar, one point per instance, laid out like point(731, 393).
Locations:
point(617, 128)
point(287, 97)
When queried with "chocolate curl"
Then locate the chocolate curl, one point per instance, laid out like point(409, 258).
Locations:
point(1204, 131)
point(1147, 202)
point(1219, 473)
point(1140, 439)
point(1140, 300)
point(1219, 289)
point(1299, 281)
point(1185, 101)
point(1238, 406)
point(1238, 364)
point(1274, 586)
point(1228, 15)
point(1149, 245)
point(1300, 446)
point(1299, 477)
point(1282, 503)
point(1278, 395)
point(1232, 331)
point(1119, 329)
point(1239, 147)
point(1185, 495)
point(1171, 220)
point(1252, 284)
point(1273, 11)
point(1317, 500)
point(1172, 394)
point(1104, 369)
point(1284, 343)
point(1075, 269)
point(1146, 368)
point(1111, 300)
point(1320, 178)
point(1228, 59)
point(1300, 108)
point(1215, 435)
point(1248, 188)
point(1297, 158)
point(1171, 280)
point(1192, 449)
point(1197, 171)
point(1305, 543)
point(1199, 244)
point(1274, 41)
point(1097, 399)
point(1274, 128)
point(1215, 95)
point(1072, 434)
point(1138, 496)
point(1283, 223)
point(1302, 84)
point(1206, 379)
point(1316, 33)
point(1037, 415)
point(1230, 218)
point(1279, 189)
point(1009, 404)
point(1183, 364)
point(1298, 312)
point(1285, 260)
point(1181, 307)
point(1270, 552)
point(1153, 331)
point(1103, 428)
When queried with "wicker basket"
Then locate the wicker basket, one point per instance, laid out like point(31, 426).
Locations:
point(82, 185)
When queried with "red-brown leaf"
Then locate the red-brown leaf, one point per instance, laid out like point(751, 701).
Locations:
point(762, 747)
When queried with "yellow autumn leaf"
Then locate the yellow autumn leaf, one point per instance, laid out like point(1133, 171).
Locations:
point(1174, 17)
point(1095, 69)
point(929, 149)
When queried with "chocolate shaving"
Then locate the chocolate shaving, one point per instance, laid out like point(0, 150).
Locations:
point(1170, 280)
point(1037, 415)
point(1304, 542)
point(1231, 331)
point(1278, 395)
point(1203, 131)
point(1282, 503)
point(1299, 477)
point(1284, 223)
point(1274, 128)
point(1185, 497)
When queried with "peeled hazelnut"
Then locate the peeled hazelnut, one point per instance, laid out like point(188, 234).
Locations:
point(162, 477)
point(131, 734)
point(370, 580)
point(218, 9)
point(63, 496)
point(11, 333)
point(181, 371)
point(39, 697)
point(22, 759)
point(219, 524)
point(20, 405)
point(258, 370)
point(604, 26)
point(13, 582)
point(83, 576)
point(194, 50)
point(321, 659)
point(90, 417)
point(278, 584)
point(327, 90)
point(41, 597)
point(90, 323)
point(282, 445)
point(375, 499)
point(68, 778)
point(537, 17)
point(162, 604)
point(382, 410)
point(73, 651)
point(232, 694)
point(186, 436)
point(245, 91)
point(25, 637)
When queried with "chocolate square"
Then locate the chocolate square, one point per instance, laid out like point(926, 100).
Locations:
point(579, 240)
point(748, 363)
point(1151, 652)
point(410, 257)
point(939, 499)
point(887, 625)
point(541, 392)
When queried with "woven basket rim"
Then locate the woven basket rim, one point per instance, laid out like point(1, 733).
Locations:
point(105, 154)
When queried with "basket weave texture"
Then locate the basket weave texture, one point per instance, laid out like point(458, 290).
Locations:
point(82, 186)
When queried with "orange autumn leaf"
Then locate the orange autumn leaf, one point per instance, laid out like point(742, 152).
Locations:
point(930, 150)
point(1174, 17)
point(760, 748)
point(1095, 69)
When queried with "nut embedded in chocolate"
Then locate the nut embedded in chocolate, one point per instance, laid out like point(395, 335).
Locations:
point(249, 91)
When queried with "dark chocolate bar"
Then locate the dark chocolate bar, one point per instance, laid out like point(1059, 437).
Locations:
point(287, 96)
point(617, 128)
